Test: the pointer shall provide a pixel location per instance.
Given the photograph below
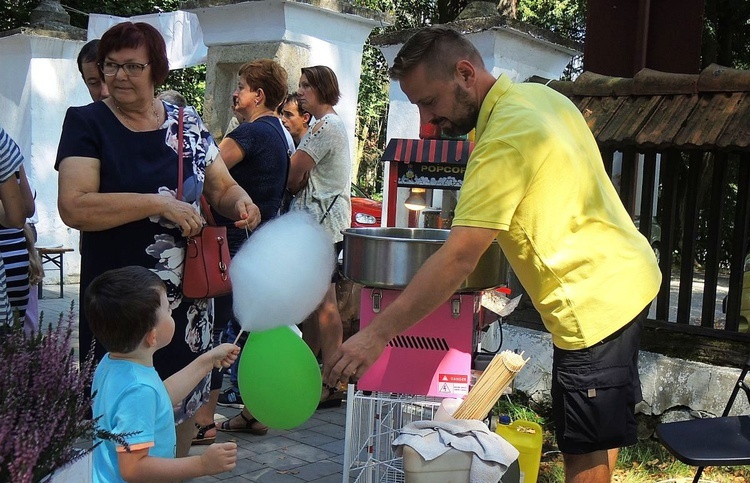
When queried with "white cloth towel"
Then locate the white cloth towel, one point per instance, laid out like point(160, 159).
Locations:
point(491, 454)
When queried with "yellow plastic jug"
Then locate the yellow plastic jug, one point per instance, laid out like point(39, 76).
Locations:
point(526, 437)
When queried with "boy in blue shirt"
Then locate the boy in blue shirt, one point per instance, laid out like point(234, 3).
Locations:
point(129, 314)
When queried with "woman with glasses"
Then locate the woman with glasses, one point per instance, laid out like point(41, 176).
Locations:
point(118, 169)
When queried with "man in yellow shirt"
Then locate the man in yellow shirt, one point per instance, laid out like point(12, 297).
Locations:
point(536, 182)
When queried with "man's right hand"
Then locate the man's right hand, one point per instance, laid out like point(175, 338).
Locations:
point(354, 357)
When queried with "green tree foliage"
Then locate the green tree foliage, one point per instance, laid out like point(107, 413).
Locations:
point(726, 33)
point(564, 17)
point(15, 13)
point(191, 83)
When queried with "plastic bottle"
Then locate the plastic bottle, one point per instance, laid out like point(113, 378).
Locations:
point(527, 438)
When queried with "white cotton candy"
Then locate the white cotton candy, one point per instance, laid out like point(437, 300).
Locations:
point(282, 272)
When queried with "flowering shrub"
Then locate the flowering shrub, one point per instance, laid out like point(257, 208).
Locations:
point(45, 402)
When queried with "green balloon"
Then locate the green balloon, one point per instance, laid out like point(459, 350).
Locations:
point(279, 378)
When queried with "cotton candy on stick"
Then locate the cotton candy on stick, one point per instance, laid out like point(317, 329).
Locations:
point(282, 272)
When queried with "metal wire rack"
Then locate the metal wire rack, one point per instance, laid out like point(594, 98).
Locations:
point(372, 423)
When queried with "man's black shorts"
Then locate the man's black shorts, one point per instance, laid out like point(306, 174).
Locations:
point(595, 390)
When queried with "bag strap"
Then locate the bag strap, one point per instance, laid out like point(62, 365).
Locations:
point(205, 207)
point(180, 161)
point(277, 128)
point(329, 208)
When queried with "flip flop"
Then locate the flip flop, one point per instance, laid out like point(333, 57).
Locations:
point(330, 401)
point(201, 438)
point(248, 428)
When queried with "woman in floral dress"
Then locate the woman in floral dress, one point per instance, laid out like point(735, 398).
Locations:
point(118, 170)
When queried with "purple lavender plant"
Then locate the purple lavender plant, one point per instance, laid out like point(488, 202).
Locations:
point(44, 402)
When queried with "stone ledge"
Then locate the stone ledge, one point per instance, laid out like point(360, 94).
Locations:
point(58, 31)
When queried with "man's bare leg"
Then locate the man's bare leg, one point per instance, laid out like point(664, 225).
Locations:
point(596, 467)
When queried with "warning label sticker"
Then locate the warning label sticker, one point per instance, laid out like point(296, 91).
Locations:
point(453, 384)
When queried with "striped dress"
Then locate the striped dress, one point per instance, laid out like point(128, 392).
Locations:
point(15, 255)
point(10, 162)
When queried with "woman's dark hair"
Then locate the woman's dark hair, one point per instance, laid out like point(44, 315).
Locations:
point(129, 35)
point(121, 306)
point(268, 75)
point(325, 83)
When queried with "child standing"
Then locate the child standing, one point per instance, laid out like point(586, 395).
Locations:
point(129, 314)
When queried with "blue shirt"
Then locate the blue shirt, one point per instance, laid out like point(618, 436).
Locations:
point(130, 398)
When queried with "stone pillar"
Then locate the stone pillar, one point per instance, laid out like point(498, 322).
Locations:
point(507, 47)
point(294, 33)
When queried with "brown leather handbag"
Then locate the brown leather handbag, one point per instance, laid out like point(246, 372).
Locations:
point(206, 266)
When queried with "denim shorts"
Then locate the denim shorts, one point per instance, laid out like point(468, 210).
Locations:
point(595, 390)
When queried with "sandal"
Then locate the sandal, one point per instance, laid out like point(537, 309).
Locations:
point(329, 401)
point(247, 428)
point(201, 438)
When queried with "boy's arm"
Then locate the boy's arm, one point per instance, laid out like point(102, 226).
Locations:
point(139, 466)
point(181, 383)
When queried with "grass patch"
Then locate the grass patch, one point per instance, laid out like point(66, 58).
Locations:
point(645, 462)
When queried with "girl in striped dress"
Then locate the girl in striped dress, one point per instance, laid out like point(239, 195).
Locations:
point(14, 196)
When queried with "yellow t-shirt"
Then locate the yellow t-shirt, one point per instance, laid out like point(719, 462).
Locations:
point(536, 175)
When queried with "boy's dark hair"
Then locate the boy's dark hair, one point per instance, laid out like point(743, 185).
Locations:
point(87, 54)
point(439, 47)
point(325, 83)
point(121, 306)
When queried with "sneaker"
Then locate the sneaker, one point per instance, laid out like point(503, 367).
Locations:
point(231, 398)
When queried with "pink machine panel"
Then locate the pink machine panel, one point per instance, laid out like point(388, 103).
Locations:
point(433, 357)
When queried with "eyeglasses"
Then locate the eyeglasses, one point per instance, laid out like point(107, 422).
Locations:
point(130, 68)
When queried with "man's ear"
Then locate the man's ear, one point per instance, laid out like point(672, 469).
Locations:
point(465, 73)
point(307, 116)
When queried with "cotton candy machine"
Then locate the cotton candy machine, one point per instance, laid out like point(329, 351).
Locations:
point(433, 357)
point(389, 257)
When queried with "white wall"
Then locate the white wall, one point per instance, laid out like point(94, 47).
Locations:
point(38, 82)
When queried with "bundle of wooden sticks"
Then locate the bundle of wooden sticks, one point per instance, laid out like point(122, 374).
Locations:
point(490, 385)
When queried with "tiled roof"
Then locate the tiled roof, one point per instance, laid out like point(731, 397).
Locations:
point(709, 111)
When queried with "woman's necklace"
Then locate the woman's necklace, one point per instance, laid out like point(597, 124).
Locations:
point(267, 112)
point(125, 117)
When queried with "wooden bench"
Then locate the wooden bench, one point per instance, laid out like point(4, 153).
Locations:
point(54, 255)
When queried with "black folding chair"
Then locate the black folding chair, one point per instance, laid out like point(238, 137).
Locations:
point(711, 441)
